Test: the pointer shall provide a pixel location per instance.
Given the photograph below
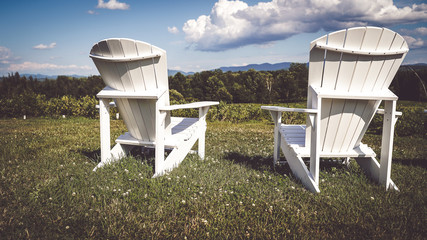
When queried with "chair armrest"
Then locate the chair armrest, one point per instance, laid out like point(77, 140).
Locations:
point(188, 105)
point(108, 92)
point(285, 109)
point(381, 111)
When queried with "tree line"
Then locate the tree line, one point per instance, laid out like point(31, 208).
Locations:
point(281, 86)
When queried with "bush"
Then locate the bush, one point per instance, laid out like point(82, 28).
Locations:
point(412, 121)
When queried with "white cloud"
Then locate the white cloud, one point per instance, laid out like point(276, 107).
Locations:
point(234, 24)
point(173, 30)
point(421, 30)
point(43, 46)
point(91, 12)
point(32, 66)
point(5, 54)
point(112, 5)
point(414, 42)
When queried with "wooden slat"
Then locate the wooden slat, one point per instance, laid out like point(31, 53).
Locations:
point(147, 66)
point(344, 124)
point(332, 60)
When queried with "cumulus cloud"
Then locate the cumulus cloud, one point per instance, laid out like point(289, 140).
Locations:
point(32, 66)
point(112, 5)
point(91, 12)
point(421, 31)
point(173, 30)
point(43, 46)
point(414, 42)
point(234, 23)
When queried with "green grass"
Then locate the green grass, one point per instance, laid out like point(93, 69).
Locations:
point(48, 189)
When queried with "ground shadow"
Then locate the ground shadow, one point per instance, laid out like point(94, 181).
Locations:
point(261, 163)
point(146, 154)
point(411, 162)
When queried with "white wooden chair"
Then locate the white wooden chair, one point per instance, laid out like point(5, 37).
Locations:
point(349, 75)
point(135, 74)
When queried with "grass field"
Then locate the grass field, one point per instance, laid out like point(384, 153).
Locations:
point(48, 189)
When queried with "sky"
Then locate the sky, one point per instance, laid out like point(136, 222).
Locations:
point(54, 37)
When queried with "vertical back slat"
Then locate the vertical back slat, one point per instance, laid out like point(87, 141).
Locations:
point(146, 66)
point(330, 76)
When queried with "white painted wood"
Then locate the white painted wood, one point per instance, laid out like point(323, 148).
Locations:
point(349, 75)
point(387, 143)
point(189, 105)
point(109, 92)
point(104, 119)
point(136, 77)
point(277, 119)
point(299, 169)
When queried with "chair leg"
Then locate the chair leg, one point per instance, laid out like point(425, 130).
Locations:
point(277, 119)
point(387, 143)
point(299, 169)
point(104, 122)
point(371, 168)
point(202, 128)
point(201, 144)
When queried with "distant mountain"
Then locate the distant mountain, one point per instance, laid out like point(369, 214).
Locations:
point(258, 67)
point(173, 72)
point(43, 76)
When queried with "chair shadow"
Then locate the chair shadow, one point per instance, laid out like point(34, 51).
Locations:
point(261, 163)
point(411, 162)
point(145, 153)
point(93, 156)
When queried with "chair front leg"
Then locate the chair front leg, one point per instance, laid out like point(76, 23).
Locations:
point(104, 120)
point(202, 135)
point(277, 119)
point(160, 142)
point(387, 143)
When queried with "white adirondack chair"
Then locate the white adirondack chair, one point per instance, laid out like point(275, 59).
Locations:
point(135, 74)
point(349, 75)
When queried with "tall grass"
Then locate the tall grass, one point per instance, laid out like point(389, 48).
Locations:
point(48, 189)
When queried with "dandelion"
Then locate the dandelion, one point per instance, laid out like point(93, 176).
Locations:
point(67, 227)
point(146, 195)
point(253, 204)
point(74, 194)
point(293, 187)
point(126, 171)
point(372, 198)
point(183, 201)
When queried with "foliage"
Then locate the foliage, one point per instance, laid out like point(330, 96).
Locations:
point(35, 105)
point(49, 191)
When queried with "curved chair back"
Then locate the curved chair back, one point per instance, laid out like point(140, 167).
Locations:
point(134, 66)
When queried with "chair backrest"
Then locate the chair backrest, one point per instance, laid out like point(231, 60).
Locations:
point(355, 60)
point(133, 66)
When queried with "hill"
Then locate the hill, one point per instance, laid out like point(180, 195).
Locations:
point(257, 67)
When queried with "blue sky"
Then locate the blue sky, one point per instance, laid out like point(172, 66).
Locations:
point(55, 36)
